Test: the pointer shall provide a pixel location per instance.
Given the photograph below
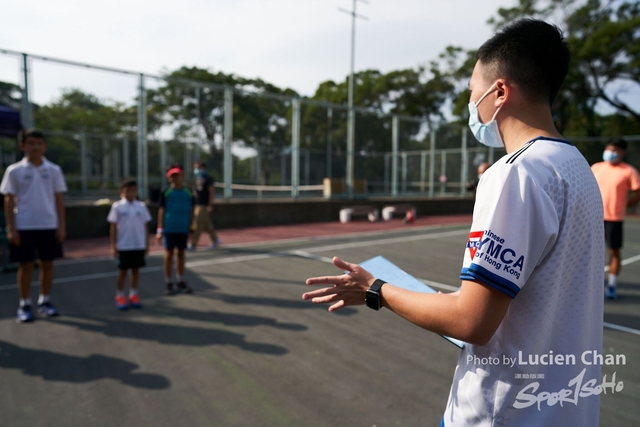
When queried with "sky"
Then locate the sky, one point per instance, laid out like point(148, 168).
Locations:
point(290, 43)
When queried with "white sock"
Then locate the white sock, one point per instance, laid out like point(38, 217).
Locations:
point(43, 298)
point(613, 280)
point(26, 301)
point(133, 292)
point(119, 293)
point(167, 279)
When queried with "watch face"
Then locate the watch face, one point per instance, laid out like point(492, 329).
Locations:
point(373, 300)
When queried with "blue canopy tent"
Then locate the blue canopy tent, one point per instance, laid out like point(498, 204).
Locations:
point(9, 122)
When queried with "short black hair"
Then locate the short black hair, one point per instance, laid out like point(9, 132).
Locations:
point(127, 182)
point(33, 133)
point(618, 143)
point(531, 53)
point(201, 164)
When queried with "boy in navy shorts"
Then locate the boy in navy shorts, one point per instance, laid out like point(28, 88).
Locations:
point(34, 211)
point(129, 240)
point(175, 216)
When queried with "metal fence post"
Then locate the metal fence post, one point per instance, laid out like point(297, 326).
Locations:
point(106, 157)
point(27, 112)
point(465, 162)
point(307, 166)
point(83, 162)
point(329, 132)
point(163, 159)
point(228, 135)
point(432, 162)
point(423, 169)
point(351, 130)
point(295, 148)
point(125, 157)
point(387, 159)
point(395, 130)
point(142, 161)
point(116, 166)
point(443, 172)
point(258, 168)
point(404, 172)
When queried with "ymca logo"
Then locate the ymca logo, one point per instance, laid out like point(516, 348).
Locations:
point(474, 242)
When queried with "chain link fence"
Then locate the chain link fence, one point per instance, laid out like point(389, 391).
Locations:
point(255, 144)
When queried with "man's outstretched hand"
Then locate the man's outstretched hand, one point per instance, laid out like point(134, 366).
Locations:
point(348, 289)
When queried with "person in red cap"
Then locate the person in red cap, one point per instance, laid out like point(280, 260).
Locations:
point(175, 216)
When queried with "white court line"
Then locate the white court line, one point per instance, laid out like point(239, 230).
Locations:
point(330, 261)
point(390, 240)
point(621, 328)
point(626, 261)
point(192, 264)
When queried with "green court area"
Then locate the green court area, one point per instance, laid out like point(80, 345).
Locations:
point(245, 350)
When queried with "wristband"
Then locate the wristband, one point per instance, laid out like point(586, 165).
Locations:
point(158, 230)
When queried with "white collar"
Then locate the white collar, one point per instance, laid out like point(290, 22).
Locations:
point(26, 162)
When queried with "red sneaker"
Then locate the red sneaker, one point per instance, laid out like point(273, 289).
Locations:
point(134, 301)
point(121, 302)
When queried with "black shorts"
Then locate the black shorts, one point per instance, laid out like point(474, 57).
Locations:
point(613, 234)
point(40, 244)
point(130, 259)
point(175, 240)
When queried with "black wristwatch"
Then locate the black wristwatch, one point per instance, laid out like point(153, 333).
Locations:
point(373, 298)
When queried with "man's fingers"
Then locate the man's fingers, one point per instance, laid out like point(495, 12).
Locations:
point(318, 293)
point(343, 265)
point(326, 280)
point(337, 305)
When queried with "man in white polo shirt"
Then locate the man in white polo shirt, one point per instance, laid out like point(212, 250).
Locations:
point(34, 210)
point(530, 305)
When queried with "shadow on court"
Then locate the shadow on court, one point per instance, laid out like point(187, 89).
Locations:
point(172, 334)
point(52, 366)
point(276, 302)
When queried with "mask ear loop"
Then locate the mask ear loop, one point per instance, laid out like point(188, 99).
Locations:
point(485, 95)
point(496, 113)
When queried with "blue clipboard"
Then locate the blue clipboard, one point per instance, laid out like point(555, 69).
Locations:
point(384, 269)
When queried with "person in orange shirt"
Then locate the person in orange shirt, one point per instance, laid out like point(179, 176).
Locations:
point(615, 179)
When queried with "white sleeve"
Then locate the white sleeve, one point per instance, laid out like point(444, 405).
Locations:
point(113, 214)
point(59, 183)
point(515, 225)
point(147, 214)
point(8, 185)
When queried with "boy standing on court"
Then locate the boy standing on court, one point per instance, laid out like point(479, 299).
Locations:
point(34, 211)
point(129, 240)
point(175, 216)
point(205, 196)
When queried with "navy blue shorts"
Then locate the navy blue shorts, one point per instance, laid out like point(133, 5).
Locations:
point(40, 244)
point(175, 241)
point(130, 259)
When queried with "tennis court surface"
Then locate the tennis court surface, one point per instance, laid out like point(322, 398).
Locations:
point(245, 350)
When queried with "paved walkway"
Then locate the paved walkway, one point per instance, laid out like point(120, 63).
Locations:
point(99, 246)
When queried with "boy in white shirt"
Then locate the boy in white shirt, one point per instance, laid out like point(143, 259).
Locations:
point(34, 211)
point(129, 240)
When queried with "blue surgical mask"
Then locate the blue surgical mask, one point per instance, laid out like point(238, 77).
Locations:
point(609, 156)
point(487, 133)
point(198, 172)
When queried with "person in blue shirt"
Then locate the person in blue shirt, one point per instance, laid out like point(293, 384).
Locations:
point(175, 216)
